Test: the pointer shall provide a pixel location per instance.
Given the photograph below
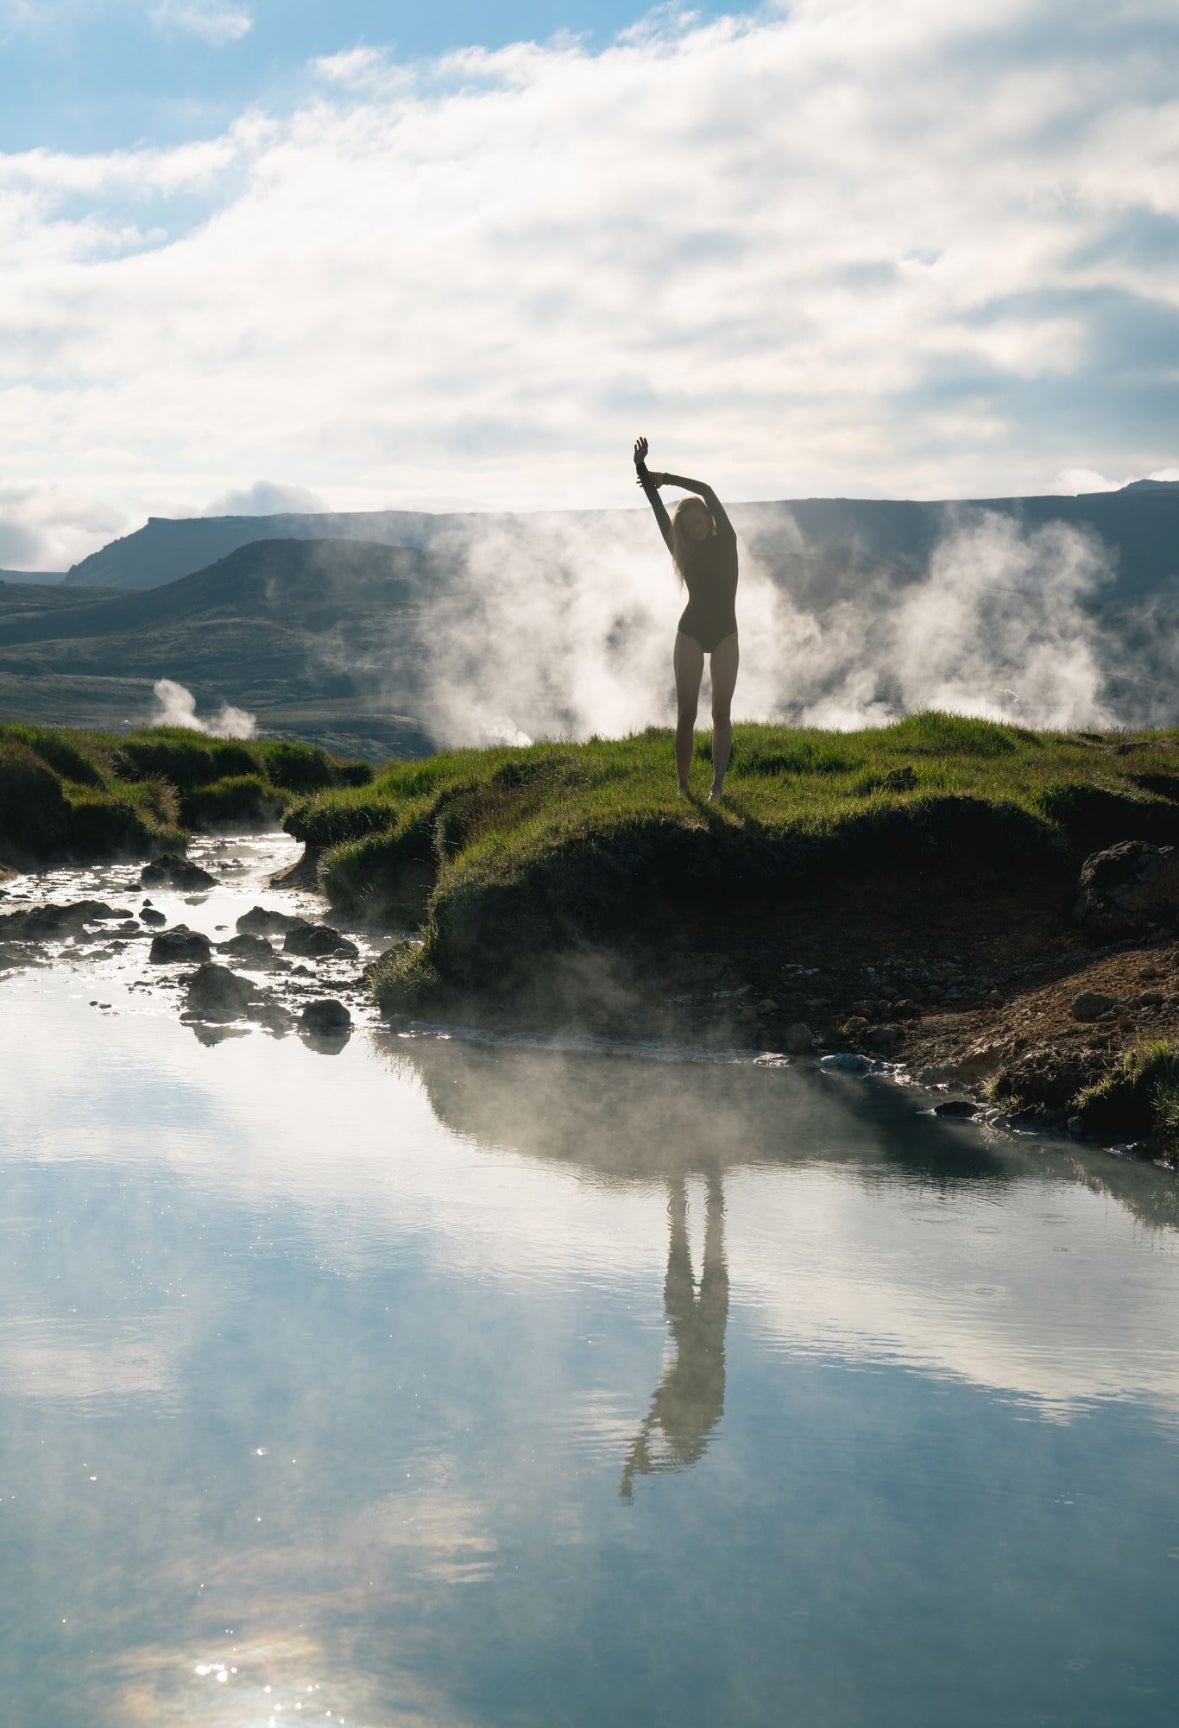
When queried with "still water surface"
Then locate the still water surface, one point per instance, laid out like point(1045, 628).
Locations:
point(456, 1383)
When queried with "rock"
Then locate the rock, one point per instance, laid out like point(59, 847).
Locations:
point(216, 993)
point(847, 1062)
point(956, 1110)
point(980, 1060)
point(254, 950)
point(1127, 887)
point(1075, 1125)
point(318, 942)
point(905, 1009)
point(149, 915)
point(42, 923)
point(174, 947)
point(1091, 1005)
point(172, 871)
point(994, 999)
point(261, 921)
point(326, 1019)
point(797, 1039)
point(885, 1039)
point(1150, 999)
point(855, 1024)
point(767, 1005)
point(1047, 1077)
point(864, 1011)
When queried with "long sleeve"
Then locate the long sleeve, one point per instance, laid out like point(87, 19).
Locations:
point(656, 503)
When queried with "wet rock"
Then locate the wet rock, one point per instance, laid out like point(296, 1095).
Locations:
point(1075, 1125)
point(172, 871)
point(847, 1062)
point(178, 945)
point(956, 1110)
point(1125, 888)
point(149, 915)
point(326, 1018)
point(253, 950)
point(797, 1039)
point(318, 942)
point(1091, 1005)
point(885, 1039)
point(44, 923)
point(261, 921)
point(216, 993)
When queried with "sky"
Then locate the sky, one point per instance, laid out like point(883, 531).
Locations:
point(268, 253)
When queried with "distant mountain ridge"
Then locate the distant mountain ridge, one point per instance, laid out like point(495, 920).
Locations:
point(808, 543)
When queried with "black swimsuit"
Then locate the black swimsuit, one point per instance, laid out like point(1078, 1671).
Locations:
point(710, 569)
point(711, 576)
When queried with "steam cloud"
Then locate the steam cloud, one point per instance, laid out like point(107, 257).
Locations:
point(567, 631)
point(176, 706)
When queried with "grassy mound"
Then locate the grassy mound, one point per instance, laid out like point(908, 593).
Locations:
point(505, 856)
point(67, 795)
point(1138, 1097)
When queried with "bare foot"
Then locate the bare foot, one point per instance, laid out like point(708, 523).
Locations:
point(685, 789)
point(715, 794)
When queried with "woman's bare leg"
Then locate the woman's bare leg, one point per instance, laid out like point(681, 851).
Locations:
point(688, 661)
point(722, 668)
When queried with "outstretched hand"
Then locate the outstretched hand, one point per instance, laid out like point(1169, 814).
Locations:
point(641, 464)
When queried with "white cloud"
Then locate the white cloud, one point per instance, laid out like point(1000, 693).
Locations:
point(212, 20)
point(836, 248)
point(264, 498)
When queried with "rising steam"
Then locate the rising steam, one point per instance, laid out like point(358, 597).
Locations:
point(566, 630)
point(176, 706)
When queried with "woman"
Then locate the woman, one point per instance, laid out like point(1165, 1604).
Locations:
point(703, 547)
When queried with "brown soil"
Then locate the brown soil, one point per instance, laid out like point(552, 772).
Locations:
point(972, 984)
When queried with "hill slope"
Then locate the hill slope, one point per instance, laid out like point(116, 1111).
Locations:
point(307, 635)
point(819, 547)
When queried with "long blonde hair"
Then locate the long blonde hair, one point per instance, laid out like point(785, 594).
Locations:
point(684, 550)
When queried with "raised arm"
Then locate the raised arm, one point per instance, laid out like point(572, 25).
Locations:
point(717, 509)
point(651, 486)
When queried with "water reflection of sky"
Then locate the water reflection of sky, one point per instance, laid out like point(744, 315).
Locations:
point(326, 1372)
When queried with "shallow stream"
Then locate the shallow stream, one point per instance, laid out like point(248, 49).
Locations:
point(439, 1381)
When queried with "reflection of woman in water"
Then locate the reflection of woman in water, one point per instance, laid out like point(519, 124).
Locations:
point(690, 1399)
point(703, 547)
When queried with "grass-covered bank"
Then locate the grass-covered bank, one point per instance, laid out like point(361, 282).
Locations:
point(523, 866)
point(71, 795)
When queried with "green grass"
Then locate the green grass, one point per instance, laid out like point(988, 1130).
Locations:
point(1139, 1096)
point(504, 852)
point(71, 794)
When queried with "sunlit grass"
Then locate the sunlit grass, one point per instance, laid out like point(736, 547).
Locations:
point(557, 841)
point(70, 793)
